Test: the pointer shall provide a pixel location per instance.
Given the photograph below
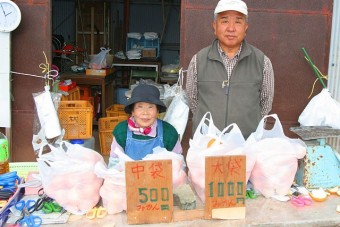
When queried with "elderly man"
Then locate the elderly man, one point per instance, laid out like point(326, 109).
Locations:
point(230, 78)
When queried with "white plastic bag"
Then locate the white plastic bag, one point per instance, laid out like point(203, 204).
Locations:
point(99, 61)
point(177, 113)
point(322, 110)
point(275, 158)
point(113, 190)
point(68, 176)
point(179, 176)
point(209, 141)
point(47, 114)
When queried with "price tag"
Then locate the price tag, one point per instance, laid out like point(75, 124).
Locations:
point(149, 191)
point(225, 187)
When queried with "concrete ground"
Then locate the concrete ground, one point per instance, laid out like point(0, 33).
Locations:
point(259, 212)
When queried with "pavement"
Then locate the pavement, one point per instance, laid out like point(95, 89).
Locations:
point(259, 212)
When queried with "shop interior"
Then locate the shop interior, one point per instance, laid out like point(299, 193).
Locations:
point(81, 29)
point(86, 26)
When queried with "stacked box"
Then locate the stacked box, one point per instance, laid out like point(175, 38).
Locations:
point(99, 72)
point(76, 118)
point(116, 110)
point(149, 53)
point(73, 94)
point(152, 46)
point(106, 126)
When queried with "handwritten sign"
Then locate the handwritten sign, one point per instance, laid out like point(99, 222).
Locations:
point(149, 191)
point(225, 187)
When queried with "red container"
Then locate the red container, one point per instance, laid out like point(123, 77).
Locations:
point(67, 87)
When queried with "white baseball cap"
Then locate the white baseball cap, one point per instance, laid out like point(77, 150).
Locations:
point(235, 5)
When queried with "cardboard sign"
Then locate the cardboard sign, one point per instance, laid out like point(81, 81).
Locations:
point(225, 187)
point(149, 191)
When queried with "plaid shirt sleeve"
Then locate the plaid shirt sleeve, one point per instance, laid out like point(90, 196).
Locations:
point(191, 84)
point(267, 91)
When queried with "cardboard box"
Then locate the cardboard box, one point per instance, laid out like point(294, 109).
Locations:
point(149, 53)
point(99, 72)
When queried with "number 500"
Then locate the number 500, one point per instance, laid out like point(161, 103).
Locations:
point(152, 194)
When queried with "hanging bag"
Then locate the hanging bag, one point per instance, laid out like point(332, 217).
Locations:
point(177, 113)
point(322, 110)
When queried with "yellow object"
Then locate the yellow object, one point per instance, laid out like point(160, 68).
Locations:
point(333, 190)
point(73, 94)
point(96, 212)
point(105, 128)
point(4, 167)
point(211, 142)
point(23, 168)
point(76, 118)
point(99, 72)
point(3, 203)
point(116, 110)
point(318, 195)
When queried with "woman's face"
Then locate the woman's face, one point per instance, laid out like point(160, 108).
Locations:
point(145, 114)
point(230, 29)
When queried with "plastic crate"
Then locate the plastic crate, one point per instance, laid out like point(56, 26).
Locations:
point(76, 118)
point(105, 127)
point(73, 94)
point(116, 110)
point(118, 107)
point(23, 168)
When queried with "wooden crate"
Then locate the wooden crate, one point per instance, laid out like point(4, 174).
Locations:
point(105, 127)
point(76, 118)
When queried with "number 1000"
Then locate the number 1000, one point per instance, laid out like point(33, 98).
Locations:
point(228, 189)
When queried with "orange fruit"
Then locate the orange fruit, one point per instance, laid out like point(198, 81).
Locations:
point(318, 195)
point(333, 190)
point(211, 142)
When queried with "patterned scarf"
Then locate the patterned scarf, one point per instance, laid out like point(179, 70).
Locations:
point(132, 126)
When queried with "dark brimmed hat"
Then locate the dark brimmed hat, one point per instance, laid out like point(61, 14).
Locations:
point(145, 93)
